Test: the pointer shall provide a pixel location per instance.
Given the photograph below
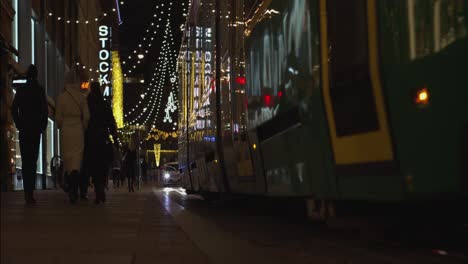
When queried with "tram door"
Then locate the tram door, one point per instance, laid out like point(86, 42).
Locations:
point(353, 96)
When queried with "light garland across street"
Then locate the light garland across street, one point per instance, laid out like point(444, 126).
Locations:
point(150, 104)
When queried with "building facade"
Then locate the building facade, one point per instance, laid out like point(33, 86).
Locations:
point(54, 35)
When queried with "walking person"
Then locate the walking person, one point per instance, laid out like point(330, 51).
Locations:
point(123, 167)
point(144, 170)
point(116, 167)
point(29, 110)
point(72, 116)
point(84, 182)
point(99, 155)
point(131, 163)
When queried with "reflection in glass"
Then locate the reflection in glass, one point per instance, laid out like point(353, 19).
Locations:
point(282, 51)
point(434, 24)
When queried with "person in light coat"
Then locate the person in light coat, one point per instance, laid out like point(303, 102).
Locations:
point(72, 116)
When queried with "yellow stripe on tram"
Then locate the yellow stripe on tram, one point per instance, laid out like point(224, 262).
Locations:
point(366, 147)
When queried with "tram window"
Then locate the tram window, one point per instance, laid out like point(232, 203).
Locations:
point(414, 29)
point(434, 24)
point(393, 32)
point(350, 86)
point(282, 66)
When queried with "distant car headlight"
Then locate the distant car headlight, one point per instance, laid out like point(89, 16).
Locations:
point(167, 176)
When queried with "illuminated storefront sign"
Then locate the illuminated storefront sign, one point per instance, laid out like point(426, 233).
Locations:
point(104, 60)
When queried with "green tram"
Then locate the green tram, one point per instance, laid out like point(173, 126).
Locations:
point(329, 100)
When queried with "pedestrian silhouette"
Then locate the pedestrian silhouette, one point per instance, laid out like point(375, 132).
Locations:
point(144, 169)
point(116, 167)
point(130, 162)
point(72, 117)
point(99, 151)
point(29, 110)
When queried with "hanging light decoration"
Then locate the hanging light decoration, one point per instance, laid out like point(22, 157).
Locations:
point(148, 108)
point(117, 93)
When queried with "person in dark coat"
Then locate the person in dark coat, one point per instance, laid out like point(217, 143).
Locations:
point(116, 167)
point(131, 163)
point(144, 170)
point(99, 154)
point(123, 165)
point(29, 110)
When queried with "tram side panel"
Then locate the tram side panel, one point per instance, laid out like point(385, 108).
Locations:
point(237, 148)
point(396, 128)
point(198, 70)
point(424, 76)
point(330, 117)
point(285, 109)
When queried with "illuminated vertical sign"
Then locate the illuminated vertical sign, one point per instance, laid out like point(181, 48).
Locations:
point(105, 60)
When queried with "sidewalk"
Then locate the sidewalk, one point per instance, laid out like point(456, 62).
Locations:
point(130, 228)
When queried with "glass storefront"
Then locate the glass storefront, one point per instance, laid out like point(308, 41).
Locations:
point(16, 150)
point(40, 54)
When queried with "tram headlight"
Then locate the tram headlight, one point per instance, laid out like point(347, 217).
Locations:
point(167, 175)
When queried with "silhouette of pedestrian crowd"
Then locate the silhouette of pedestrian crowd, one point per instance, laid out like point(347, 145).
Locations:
point(88, 136)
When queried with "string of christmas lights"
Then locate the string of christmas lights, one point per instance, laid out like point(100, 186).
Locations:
point(169, 57)
point(163, 71)
point(158, 76)
point(147, 41)
point(160, 81)
point(173, 105)
point(145, 93)
point(84, 21)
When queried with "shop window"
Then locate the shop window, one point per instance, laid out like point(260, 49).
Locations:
point(58, 142)
point(39, 159)
point(33, 41)
point(14, 30)
point(17, 150)
point(50, 144)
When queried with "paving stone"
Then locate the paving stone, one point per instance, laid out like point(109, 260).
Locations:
point(131, 228)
